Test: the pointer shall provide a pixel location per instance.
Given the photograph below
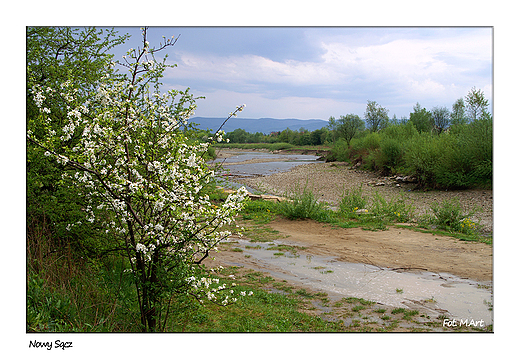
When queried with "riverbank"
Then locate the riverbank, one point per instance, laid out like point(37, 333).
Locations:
point(329, 181)
point(396, 248)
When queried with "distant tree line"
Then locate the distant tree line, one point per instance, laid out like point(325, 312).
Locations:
point(436, 120)
point(440, 148)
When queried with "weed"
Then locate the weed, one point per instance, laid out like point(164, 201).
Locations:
point(396, 209)
point(448, 215)
point(398, 311)
point(304, 293)
point(253, 247)
point(407, 315)
point(355, 323)
point(327, 272)
point(303, 205)
point(351, 201)
point(260, 211)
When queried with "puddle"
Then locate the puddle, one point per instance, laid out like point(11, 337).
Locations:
point(430, 293)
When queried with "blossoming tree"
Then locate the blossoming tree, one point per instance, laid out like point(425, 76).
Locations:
point(146, 182)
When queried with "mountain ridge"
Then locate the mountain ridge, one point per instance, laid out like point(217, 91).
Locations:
point(263, 125)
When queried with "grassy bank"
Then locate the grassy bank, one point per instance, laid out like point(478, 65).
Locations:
point(371, 213)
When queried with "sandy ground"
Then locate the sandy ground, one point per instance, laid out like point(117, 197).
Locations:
point(395, 247)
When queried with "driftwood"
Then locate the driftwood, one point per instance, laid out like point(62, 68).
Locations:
point(259, 197)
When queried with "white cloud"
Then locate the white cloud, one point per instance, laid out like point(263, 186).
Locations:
point(250, 68)
point(398, 69)
point(221, 102)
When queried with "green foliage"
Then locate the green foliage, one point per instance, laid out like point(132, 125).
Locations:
point(448, 215)
point(55, 55)
point(441, 118)
point(259, 211)
point(396, 209)
point(47, 310)
point(340, 151)
point(376, 116)
point(476, 104)
point(302, 137)
point(347, 126)
point(303, 205)
point(460, 159)
point(421, 119)
point(352, 201)
point(390, 156)
point(458, 116)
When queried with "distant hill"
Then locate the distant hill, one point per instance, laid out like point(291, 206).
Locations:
point(263, 125)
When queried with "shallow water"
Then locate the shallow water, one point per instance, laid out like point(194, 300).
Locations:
point(254, 155)
point(233, 166)
point(435, 294)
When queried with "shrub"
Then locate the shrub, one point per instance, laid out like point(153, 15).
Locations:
point(420, 158)
point(395, 209)
point(391, 155)
point(351, 201)
point(303, 205)
point(448, 215)
point(462, 158)
point(339, 152)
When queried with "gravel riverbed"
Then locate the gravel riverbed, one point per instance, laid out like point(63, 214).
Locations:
point(328, 181)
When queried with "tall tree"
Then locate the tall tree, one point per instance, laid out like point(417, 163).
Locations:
point(347, 126)
point(58, 55)
point(421, 119)
point(144, 180)
point(476, 104)
point(376, 116)
point(441, 118)
point(458, 112)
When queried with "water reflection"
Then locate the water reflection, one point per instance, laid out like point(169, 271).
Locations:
point(441, 293)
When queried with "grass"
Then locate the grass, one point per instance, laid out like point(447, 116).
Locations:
point(303, 205)
point(265, 311)
point(445, 218)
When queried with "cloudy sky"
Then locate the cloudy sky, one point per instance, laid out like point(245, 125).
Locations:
point(318, 72)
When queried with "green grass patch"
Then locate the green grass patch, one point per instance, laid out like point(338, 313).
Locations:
point(303, 205)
